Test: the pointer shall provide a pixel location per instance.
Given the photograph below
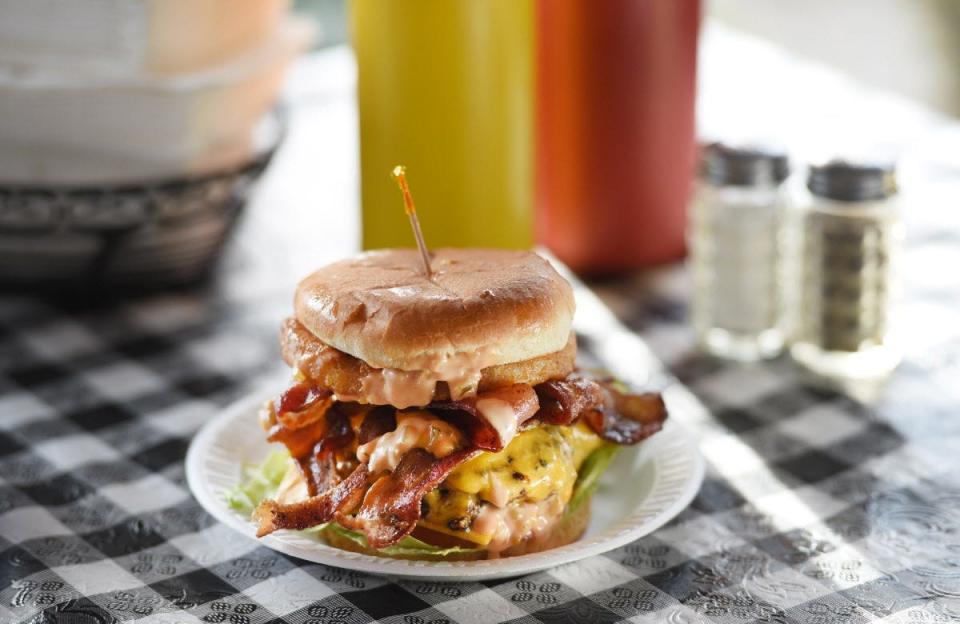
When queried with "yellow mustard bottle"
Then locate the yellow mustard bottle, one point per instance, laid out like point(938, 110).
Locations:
point(445, 88)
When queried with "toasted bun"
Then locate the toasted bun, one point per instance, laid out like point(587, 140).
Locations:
point(568, 529)
point(483, 307)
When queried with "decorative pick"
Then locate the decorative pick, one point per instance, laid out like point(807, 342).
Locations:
point(400, 175)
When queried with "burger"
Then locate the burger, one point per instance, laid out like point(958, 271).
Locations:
point(439, 416)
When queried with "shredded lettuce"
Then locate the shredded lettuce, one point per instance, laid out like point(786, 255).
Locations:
point(589, 475)
point(408, 546)
point(260, 481)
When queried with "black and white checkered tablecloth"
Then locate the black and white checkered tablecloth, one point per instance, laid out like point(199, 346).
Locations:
point(815, 508)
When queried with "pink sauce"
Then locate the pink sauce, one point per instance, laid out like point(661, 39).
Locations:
point(515, 523)
point(402, 389)
point(501, 416)
point(460, 370)
point(414, 430)
point(498, 494)
point(415, 388)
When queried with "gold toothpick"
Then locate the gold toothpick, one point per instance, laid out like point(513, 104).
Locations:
point(400, 175)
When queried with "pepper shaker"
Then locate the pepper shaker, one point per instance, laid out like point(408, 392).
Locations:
point(846, 230)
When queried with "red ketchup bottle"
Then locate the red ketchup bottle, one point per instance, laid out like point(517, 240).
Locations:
point(615, 148)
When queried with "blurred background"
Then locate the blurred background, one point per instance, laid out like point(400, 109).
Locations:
point(911, 47)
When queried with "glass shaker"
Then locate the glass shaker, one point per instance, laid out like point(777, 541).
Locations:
point(734, 251)
point(844, 229)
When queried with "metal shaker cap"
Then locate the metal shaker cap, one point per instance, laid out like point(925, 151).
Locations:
point(724, 164)
point(851, 181)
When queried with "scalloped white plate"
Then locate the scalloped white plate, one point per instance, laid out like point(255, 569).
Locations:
point(645, 486)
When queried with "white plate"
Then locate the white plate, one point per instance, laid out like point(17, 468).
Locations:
point(645, 486)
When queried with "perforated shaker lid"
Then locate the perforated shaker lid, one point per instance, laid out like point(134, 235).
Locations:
point(852, 181)
point(727, 164)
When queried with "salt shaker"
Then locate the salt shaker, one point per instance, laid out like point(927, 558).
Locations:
point(845, 229)
point(734, 254)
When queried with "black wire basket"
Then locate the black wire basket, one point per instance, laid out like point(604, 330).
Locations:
point(140, 236)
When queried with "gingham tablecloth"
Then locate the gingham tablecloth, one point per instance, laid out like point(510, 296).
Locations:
point(815, 508)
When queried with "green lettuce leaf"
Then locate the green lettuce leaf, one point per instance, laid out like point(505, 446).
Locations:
point(408, 546)
point(589, 475)
point(260, 481)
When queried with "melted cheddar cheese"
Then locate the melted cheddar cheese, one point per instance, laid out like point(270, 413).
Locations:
point(537, 464)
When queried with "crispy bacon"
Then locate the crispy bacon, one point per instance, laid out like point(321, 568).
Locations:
point(565, 400)
point(297, 418)
point(298, 441)
point(302, 404)
point(341, 498)
point(300, 435)
point(311, 434)
point(615, 416)
point(391, 507)
point(318, 473)
point(627, 418)
point(337, 435)
point(318, 467)
point(478, 430)
point(377, 422)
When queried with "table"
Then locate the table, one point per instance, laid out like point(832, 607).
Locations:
point(816, 508)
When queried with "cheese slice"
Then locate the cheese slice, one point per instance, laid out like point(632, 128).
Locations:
point(539, 465)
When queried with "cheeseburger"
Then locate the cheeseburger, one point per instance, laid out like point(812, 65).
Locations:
point(444, 411)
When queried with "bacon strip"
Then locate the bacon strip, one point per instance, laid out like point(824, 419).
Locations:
point(338, 433)
point(376, 422)
point(300, 441)
point(342, 498)
point(627, 418)
point(613, 415)
point(481, 433)
point(563, 401)
point(328, 431)
point(317, 468)
point(300, 418)
point(318, 474)
point(391, 507)
point(302, 404)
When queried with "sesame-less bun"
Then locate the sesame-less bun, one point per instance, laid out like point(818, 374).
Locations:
point(482, 307)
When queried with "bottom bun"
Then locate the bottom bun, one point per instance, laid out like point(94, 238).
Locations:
point(568, 529)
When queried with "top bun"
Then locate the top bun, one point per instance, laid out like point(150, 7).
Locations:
point(482, 307)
